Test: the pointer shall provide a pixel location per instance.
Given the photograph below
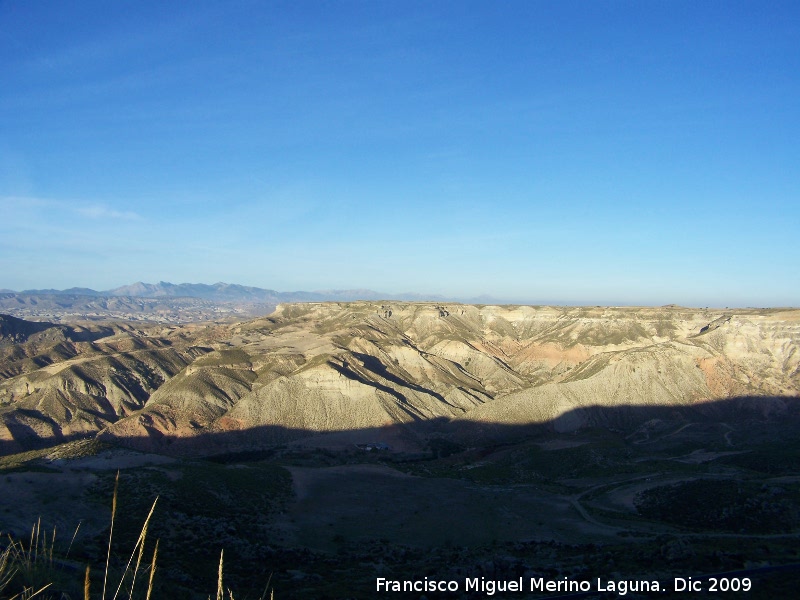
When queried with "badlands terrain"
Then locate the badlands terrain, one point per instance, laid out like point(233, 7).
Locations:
point(336, 374)
point(331, 443)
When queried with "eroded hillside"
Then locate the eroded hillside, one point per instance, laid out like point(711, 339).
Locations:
point(345, 372)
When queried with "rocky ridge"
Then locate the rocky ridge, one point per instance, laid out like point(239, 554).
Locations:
point(341, 373)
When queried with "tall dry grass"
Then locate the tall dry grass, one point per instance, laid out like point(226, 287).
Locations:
point(34, 568)
point(30, 567)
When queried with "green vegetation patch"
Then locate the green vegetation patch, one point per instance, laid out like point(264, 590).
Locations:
point(235, 356)
point(594, 454)
point(316, 361)
point(588, 369)
point(32, 460)
point(772, 459)
point(724, 505)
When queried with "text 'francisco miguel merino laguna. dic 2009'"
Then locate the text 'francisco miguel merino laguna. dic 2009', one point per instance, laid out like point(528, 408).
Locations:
point(540, 584)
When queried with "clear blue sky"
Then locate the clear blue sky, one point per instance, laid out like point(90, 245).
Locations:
point(585, 152)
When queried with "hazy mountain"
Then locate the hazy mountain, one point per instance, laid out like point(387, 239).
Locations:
point(166, 302)
point(217, 291)
point(227, 292)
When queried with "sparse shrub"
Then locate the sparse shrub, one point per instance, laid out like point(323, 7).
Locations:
point(722, 505)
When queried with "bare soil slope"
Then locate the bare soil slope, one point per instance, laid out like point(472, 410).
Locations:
point(428, 369)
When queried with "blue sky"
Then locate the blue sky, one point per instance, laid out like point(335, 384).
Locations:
point(581, 152)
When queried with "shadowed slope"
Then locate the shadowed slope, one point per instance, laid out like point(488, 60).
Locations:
point(313, 369)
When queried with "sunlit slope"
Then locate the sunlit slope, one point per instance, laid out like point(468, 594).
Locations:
point(338, 373)
point(334, 367)
point(67, 388)
point(640, 358)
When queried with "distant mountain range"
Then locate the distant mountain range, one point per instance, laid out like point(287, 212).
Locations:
point(228, 292)
point(165, 302)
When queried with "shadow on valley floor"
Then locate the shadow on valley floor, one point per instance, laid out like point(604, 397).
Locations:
point(601, 493)
point(415, 437)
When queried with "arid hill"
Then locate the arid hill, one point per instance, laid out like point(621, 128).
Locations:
point(399, 372)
